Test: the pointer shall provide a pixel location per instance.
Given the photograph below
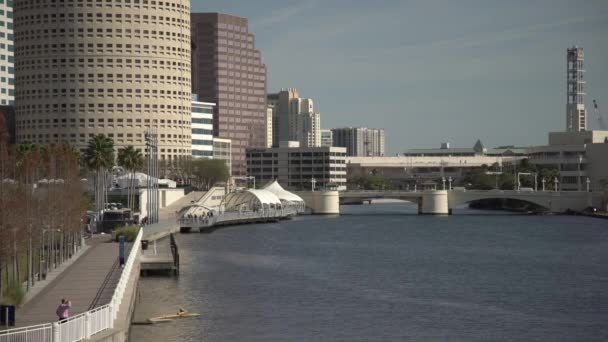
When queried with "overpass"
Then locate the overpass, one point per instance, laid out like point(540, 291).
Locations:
point(440, 202)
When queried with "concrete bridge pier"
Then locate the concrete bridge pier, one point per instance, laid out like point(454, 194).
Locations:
point(434, 203)
point(321, 202)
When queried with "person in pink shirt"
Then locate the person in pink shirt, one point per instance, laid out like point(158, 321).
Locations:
point(63, 311)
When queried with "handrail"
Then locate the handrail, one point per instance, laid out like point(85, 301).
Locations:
point(86, 324)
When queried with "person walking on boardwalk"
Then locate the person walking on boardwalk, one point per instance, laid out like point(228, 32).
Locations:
point(63, 311)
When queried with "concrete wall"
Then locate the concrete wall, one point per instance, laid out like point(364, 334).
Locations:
point(434, 203)
point(597, 164)
point(321, 202)
point(165, 198)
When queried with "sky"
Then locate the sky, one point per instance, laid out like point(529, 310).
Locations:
point(430, 71)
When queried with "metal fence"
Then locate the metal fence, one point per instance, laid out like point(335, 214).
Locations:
point(237, 216)
point(84, 325)
point(34, 333)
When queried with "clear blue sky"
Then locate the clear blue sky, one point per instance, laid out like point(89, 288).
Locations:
point(431, 71)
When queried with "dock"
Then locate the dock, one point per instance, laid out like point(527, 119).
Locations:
point(160, 256)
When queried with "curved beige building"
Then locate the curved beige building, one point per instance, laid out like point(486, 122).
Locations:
point(113, 67)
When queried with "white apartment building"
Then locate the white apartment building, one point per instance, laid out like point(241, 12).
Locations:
point(269, 125)
point(7, 59)
point(298, 168)
point(202, 129)
point(327, 139)
point(360, 141)
point(295, 119)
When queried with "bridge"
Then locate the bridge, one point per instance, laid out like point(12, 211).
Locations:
point(442, 201)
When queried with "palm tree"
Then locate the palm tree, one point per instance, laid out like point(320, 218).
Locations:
point(99, 157)
point(131, 160)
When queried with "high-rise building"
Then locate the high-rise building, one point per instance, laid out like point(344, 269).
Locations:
point(296, 117)
point(227, 70)
point(327, 139)
point(360, 141)
point(7, 63)
point(273, 101)
point(576, 115)
point(269, 125)
point(202, 128)
point(108, 67)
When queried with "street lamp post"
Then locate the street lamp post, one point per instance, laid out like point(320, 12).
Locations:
point(578, 179)
point(443, 182)
point(152, 179)
point(555, 181)
point(588, 181)
point(544, 181)
point(450, 183)
point(313, 182)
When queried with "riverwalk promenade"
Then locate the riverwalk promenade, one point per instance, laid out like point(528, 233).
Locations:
point(89, 282)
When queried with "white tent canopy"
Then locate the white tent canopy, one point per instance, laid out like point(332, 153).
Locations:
point(251, 199)
point(195, 210)
point(282, 194)
point(141, 180)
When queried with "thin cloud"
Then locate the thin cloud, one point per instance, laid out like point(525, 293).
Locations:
point(283, 14)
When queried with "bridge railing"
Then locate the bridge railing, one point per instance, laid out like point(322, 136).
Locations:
point(84, 325)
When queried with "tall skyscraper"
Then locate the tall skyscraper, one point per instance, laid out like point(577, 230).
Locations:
point(109, 67)
point(227, 70)
point(296, 117)
point(7, 66)
point(576, 115)
point(360, 141)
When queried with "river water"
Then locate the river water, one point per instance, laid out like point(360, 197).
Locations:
point(382, 273)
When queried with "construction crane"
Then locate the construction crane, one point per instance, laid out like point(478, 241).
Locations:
point(598, 116)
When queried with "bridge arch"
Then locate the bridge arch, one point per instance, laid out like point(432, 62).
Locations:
point(461, 198)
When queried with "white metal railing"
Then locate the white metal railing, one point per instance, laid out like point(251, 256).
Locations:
point(40, 332)
point(72, 329)
point(84, 325)
point(227, 216)
point(119, 291)
point(99, 319)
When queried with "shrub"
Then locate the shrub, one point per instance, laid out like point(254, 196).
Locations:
point(14, 294)
point(130, 233)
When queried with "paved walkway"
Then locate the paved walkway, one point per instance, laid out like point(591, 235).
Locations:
point(88, 282)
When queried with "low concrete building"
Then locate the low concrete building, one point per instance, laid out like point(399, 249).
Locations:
point(417, 169)
point(299, 168)
point(477, 150)
point(577, 155)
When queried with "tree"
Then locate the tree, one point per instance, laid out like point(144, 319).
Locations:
point(207, 172)
point(370, 182)
point(99, 157)
point(131, 160)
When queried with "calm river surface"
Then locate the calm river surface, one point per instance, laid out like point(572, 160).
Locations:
point(382, 273)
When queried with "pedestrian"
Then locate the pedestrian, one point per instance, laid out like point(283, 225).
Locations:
point(63, 311)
